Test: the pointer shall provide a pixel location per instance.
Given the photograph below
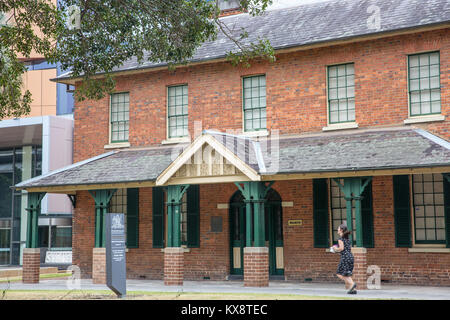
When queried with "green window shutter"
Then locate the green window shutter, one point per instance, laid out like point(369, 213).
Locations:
point(193, 216)
point(402, 214)
point(133, 218)
point(158, 217)
point(367, 217)
point(447, 209)
point(320, 213)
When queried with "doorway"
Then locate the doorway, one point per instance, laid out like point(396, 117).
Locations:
point(273, 232)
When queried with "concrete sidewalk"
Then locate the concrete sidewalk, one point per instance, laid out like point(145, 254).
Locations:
point(275, 287)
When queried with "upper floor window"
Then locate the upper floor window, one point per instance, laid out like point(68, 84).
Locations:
point(177, 115)
point(424, 84)
point(341, 93)
point(119, 117)
point(254, 105)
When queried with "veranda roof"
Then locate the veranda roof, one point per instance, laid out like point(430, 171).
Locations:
point(356, 153)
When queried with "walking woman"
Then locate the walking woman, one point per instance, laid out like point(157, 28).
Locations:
point(345, 268)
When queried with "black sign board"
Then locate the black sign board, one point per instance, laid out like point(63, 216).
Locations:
point(116, 272)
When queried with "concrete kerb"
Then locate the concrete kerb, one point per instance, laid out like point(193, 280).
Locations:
point(386, 292)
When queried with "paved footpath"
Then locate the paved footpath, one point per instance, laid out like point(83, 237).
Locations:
point(275, 287)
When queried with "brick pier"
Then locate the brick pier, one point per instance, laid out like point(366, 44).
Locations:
point(173, 266)
point(99, 265)
point(256, 267)
point(360, 267)
point(31, 265)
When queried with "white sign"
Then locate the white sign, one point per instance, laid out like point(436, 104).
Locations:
point(58, 257)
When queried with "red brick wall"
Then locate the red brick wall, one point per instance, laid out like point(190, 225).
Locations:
point(296, 92)
point(302, 261)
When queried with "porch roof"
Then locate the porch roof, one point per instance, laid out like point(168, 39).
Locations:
point(385, 151)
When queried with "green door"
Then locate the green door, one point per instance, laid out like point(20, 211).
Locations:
point(237, 232)
point(274, 234)
point(274, 237)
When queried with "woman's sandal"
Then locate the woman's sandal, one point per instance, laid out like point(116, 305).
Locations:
point(352, 289)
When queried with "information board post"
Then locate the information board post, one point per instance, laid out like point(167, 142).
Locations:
point(116, 272)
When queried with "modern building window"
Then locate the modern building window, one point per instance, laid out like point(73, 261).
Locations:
point(428, 208)
point(177, 115)
point(339, 210)
point(120, 117)
point(424, 84)
point(16, 165)
point(341, 93)
point(254, 103)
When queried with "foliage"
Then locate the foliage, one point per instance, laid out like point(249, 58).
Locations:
point(91, 38)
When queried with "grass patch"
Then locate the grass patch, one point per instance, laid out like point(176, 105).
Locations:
point(42, 276)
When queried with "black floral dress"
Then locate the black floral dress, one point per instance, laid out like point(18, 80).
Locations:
point(345, 267)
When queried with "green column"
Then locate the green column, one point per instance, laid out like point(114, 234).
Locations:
point(34, 209)
point(352, 189)
point(102, 199)
point(254, 193)
point(174, 195)
point(248, 224)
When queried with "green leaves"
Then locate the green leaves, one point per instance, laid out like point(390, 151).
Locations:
point(26, 26)
point(12, 102)
point(92, 38)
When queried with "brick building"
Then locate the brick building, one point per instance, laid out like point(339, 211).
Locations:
point(230, 172)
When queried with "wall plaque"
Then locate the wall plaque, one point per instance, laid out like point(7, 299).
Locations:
point(216, 224)
point(295, 223)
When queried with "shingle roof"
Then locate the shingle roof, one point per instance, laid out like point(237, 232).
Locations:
point(120, 166)
point(316, 23)
point(387, 149)
point(394, 148)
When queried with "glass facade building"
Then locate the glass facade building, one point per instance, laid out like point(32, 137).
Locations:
point(16, 165)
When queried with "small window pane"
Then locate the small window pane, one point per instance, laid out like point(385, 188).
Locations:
point(434, 58)
point(414, 61)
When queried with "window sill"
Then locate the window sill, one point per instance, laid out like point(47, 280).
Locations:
point(255, 134)
point(341, 126)
point(117, 145)
point(185, 250)
point(176, 140)
point(429, 250)
point(421, 119)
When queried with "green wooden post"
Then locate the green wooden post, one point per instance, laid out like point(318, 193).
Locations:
point(102, 199)
point(353, 189)
point(254, 193)
point(174, 195)
point(169, 225)
point(34, 209)
point(248, 225)
point(177, 229)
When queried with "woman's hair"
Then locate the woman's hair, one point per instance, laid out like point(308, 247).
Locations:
point(345, 231)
